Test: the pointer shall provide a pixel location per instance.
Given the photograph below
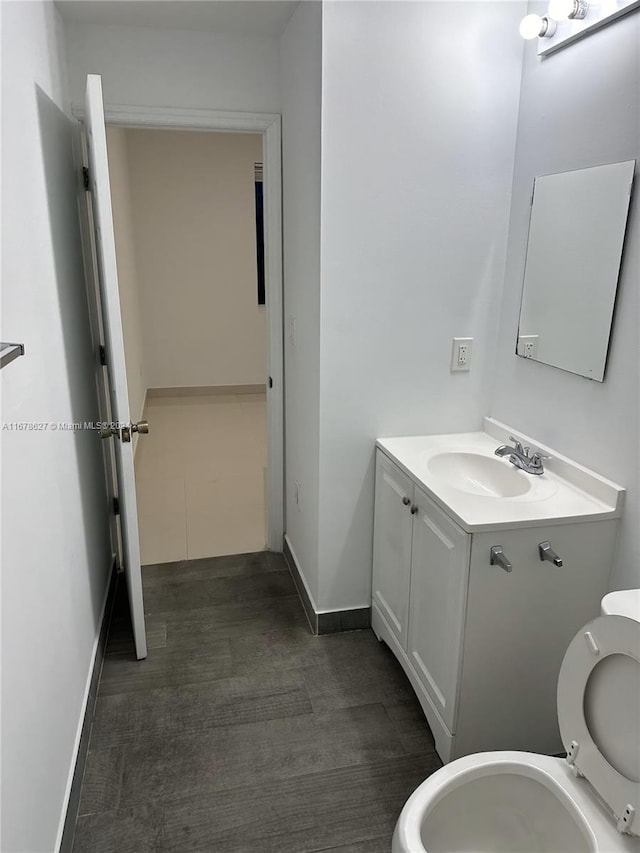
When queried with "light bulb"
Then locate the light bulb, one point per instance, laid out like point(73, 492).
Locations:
point(563, 10)
point(560, 10)
point(533, 26)
point(530, 26)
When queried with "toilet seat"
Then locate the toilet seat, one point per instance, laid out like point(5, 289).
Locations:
point(582, 698)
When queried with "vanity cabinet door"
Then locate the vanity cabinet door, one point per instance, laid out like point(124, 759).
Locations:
point(518, 627)
point(392, 545)
point(439, 576)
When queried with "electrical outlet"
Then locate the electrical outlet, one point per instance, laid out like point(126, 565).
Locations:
point(527, 346)
point(461, 354)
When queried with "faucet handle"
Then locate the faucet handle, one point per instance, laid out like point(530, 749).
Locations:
point(535, 462)
point(537, 456)
point(517, 444)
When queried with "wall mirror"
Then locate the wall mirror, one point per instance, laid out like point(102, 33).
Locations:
point(576, 236)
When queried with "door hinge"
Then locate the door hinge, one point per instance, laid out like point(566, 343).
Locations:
point(116, 506)
point(270, 382)
point(103, 355)
point(85, 178)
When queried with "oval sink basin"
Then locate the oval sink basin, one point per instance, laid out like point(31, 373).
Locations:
point(479, 475)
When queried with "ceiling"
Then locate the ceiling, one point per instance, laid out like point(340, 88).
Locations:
point(240, 17)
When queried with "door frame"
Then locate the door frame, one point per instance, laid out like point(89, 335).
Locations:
point(269, 125)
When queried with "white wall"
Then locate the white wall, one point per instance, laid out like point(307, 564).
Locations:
point(55, 538)
point(128, 285)
point(419, 115)
point(564, 127)
point(301, 76)
point(180, 68)
point(419, 111)
point(193, 215)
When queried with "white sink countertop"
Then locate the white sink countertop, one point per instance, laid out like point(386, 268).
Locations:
point(482, 491)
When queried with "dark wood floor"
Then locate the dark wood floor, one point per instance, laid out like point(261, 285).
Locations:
point(241, 732)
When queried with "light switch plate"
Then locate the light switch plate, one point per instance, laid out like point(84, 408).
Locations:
point(461, 354)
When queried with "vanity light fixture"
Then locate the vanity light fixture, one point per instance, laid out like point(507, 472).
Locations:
point(568, 10)
point(533, 26)
point(567, 21)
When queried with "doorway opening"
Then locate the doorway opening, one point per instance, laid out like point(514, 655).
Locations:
point(200, 348)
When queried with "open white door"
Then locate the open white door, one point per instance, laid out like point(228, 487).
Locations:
point(121, 430)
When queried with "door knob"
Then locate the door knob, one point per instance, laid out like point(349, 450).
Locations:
point(125, 433)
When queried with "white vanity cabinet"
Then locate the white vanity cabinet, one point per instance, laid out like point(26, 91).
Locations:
point(420, 567)
point(392, 526)
point(481, 646)
point(437, 599)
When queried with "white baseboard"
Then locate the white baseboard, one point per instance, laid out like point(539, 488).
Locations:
point(205, 390)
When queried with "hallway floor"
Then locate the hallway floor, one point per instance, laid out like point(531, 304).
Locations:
point(200, 477)
point(241, 732)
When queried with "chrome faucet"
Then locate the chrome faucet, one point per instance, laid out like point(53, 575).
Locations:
point(519, 456)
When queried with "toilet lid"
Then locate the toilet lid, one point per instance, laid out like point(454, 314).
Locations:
point(599, 712)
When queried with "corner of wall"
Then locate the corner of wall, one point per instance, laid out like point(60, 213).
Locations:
point(300, 74)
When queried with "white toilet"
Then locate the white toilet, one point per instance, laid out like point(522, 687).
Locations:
point(521, 802)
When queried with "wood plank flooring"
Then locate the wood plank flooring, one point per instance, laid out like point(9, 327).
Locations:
point(242, 732)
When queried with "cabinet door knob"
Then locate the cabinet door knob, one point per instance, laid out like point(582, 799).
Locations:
point(497, 557)
point(414, 509)
point(406, 501)
point(546, 552)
